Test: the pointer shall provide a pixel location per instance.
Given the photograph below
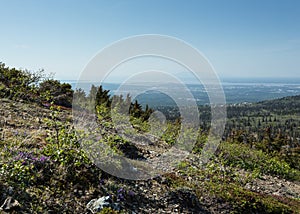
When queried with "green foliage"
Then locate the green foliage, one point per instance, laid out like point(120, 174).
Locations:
point(19, 84)
point(242, 156)
point(108, 210)
point(57, 176)
point(220, 182)
point(139, 124)
point(103, 112)
point(49, 171)
point(292, 156)
point(102, 97)
point(201, 140)
point(171, 133)
point(245, 201)
point(59, 93)
point(33, 86)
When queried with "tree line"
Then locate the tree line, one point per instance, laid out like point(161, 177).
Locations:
point(98, 96)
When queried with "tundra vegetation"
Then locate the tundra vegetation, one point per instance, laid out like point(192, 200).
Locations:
point(43, 168)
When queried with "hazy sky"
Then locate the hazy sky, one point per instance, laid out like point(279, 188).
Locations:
point(242, 38)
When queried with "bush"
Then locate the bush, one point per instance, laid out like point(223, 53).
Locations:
point(242, 156)
point(19, 84)
point(59, 93)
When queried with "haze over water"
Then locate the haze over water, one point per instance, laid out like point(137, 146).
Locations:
point(237, 90)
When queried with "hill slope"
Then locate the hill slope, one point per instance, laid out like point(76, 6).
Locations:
point(43, 169)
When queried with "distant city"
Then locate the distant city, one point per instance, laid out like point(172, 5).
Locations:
point(237, 90)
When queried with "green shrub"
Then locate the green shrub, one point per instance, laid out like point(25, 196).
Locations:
point(239, 155)
point(59, 93)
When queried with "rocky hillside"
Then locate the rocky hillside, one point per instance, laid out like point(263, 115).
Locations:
point(44, 170)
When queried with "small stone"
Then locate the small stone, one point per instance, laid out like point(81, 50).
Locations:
point(276, 193)
point(10, 190)
point(10, 204)
point(96, 205)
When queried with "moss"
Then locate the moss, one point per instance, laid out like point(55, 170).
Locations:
point(108, 210)
point(246, 201)
point(175, 181)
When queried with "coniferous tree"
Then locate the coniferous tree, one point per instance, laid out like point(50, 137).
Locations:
point(102, 97)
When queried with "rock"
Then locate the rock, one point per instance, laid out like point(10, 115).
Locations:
point(10, 204)
point(96, 205)
point(10, 190)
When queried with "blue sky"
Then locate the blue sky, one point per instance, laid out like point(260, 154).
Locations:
point(242, 38)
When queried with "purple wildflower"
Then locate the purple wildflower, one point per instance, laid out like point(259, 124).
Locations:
point(25, 134)
point(131, 193)
point(120, 197)
point(101, 182)
point(24, 155)
point(44, 158)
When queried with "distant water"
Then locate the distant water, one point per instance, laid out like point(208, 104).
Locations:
point(236, 90)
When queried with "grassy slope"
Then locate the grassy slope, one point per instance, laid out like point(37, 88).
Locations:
point(44, 169)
